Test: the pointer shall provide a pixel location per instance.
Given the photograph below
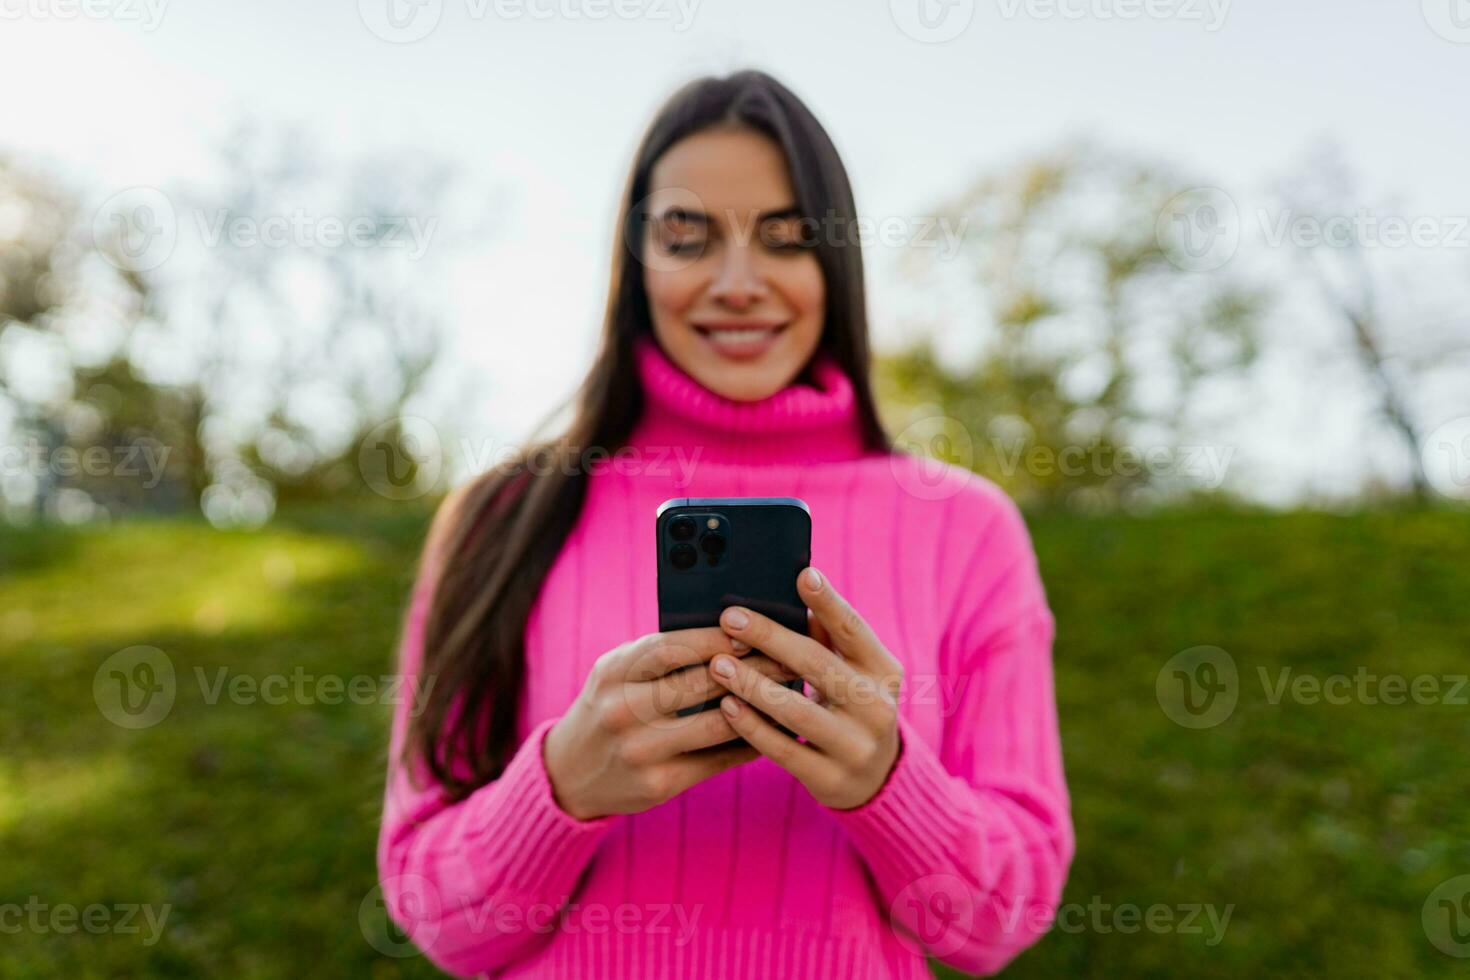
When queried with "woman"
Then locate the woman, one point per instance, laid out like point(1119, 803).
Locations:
point(548, 813)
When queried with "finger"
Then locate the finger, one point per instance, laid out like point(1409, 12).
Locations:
point(848, 631)
point(694, 685)
point(802, 761)
point(817, 630)
point(791, 708)
point(853, 638)
point(822, 668)
point(658, 654)
point(671, 737)
point(693, 768)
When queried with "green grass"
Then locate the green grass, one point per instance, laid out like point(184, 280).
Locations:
point(1323, 827)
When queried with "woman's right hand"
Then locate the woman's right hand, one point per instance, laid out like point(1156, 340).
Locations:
point(621, 747)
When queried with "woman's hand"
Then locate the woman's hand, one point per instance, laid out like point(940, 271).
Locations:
point(620, 747)
point(851, 736)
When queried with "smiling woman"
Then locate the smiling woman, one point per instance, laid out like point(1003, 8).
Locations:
point(553, 809)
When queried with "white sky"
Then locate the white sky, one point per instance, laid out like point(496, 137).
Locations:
point(552, 106)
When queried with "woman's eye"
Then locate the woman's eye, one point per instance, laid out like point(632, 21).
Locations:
point(784, 238)
point(684, 246)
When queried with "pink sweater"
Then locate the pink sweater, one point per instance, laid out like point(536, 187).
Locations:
point(961, 854)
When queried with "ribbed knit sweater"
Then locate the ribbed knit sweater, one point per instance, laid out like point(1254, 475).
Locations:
point(961, 854)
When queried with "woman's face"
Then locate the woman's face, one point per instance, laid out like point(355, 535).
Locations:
point(734, 287)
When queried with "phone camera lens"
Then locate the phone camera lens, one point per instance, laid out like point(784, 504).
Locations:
point(713, 545)
point(683, 556)
point(681, 528)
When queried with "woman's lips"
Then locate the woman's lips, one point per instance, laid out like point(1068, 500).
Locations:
point(740, 340)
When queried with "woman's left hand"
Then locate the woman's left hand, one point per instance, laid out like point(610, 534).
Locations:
point(852, 738)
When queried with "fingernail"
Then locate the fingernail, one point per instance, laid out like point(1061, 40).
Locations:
point(736, 618)
point(739, 646)
point(728, 705)
point(723, 666)
point(813, 579)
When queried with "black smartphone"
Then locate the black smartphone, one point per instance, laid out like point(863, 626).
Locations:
point(715, 552)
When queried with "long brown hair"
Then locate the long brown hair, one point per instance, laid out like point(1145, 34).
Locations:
point(500, 533)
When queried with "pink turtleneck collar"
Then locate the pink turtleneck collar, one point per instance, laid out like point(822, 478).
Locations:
point(802, 423)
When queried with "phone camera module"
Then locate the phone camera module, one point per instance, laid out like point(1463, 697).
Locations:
point(683, 556)
point(681, 528)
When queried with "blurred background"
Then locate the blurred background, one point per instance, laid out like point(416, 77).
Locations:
point(1188, 278)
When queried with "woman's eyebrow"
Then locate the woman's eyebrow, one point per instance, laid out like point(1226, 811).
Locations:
point(789, 211)
point(677, 213)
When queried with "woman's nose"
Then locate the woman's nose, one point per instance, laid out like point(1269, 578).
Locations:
point(739, 281)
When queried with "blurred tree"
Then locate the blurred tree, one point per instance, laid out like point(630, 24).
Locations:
point(310, 303)
point(1091, 344)
point(221, 345)
point(1399, 347)
point(81, 428)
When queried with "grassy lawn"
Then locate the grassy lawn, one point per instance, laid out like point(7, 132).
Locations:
point(1321, 829)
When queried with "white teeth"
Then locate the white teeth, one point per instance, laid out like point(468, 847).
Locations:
point(738, 336)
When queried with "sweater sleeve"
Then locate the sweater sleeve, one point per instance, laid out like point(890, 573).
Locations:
point(969, 843)
point(475, 884)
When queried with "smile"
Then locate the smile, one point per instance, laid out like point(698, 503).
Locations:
point(743, 339)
